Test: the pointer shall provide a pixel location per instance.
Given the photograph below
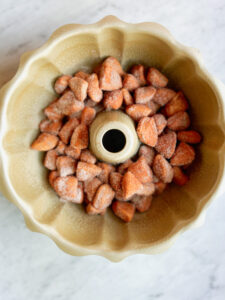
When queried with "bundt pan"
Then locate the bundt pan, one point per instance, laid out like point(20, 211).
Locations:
point(23, 177)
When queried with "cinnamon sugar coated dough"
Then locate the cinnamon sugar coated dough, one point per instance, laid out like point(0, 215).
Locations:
point(163, 125)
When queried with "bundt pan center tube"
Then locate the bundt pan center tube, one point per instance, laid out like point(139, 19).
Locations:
point(113, 137)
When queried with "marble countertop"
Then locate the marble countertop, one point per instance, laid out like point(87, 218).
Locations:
point(31, 266)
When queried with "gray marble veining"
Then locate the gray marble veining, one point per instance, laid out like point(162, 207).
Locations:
point(31, 266)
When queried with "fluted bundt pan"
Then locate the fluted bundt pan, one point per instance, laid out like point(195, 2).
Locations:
point(23, 177)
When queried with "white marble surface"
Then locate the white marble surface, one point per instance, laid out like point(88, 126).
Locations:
point(31, 266)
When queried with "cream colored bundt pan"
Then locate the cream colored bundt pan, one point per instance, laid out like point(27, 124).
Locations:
point(23, 177)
